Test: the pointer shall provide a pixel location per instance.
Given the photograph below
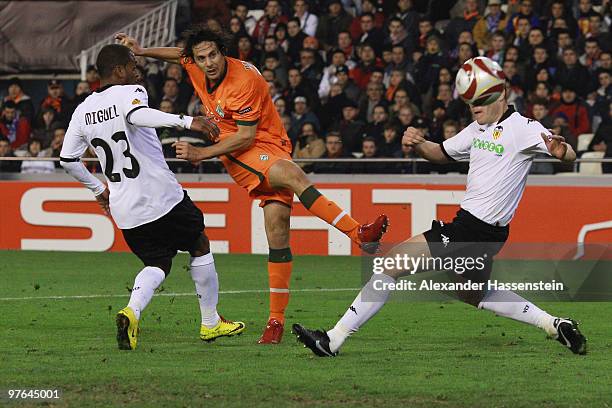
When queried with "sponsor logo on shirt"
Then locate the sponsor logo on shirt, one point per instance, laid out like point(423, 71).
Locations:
point(245, 110)
point(497, 148)
point(263, 157)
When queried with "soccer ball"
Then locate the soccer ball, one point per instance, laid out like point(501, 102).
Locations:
point(480, 81)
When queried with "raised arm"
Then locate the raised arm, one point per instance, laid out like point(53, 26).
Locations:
point(428, 150)
point(168, 54)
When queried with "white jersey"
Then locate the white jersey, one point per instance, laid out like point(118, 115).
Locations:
point(142, 187)
point(500, 157)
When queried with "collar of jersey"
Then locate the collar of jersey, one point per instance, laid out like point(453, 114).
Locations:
point(506, 114)
point(104, 88)
point(214, 87)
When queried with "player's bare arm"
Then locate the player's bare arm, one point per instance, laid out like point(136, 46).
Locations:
point(102, 199)
point(168, 54)
point(558, 148)
point(426, 149)
point(238, 141)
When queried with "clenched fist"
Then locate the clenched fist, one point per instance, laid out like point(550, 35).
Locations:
point(207, 127)
point(129, 42)
point(413, 136)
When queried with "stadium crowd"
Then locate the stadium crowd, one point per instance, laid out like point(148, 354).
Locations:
point(348, 77)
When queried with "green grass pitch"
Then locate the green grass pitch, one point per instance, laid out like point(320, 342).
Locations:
point(418, 354)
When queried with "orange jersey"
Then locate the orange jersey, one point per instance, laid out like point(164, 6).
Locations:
point(240, 98)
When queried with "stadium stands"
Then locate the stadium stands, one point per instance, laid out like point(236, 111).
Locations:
point(395, 56)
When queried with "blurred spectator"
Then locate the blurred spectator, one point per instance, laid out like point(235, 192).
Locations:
point(539, 62)
point(466, 22)
point(267, 23)
point(585, 12)
point(406, 152)
point(369, 150)
point(300, 115)
point(280, 33)
point(400, 100)
point(57, 101)
point(496, 48)
point(380, 117)
point(592, 52)
point(6, 151)
point(295, 37)
point(409, 17)
point(450, 128)
point(571, 74)
point(404, 118)
point(56, 145)
point(525, 11)
point(242, 12)
point(426, 69)
point(367, 7)
point(246, 49)
point(558, 10)
point(370, 34)
point(390, 144)
point(36, 166)
point(92, 78)
point(308, 145)
point(494, 21)
point(398, 35)
point(564, 41)
point(45, 124)
point(577, 116)
point(299, 87)
point(171, 93)
point(332, 23)
point(308, 21)
point(281, 106)
point(373, 98)
point(185, 90)
point(311, 71)
point(338, 59)
point(602, 141)
point(540, 113)
point(350, 127)
point(22, 101)
point(334, 149)
point(438, 119)
point(81, 92)
point(15, 128)
point(366, 65)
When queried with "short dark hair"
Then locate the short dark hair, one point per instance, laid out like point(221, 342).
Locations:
point(540, 101)
point(111, 56)
point(10, 105)
point(199, 33)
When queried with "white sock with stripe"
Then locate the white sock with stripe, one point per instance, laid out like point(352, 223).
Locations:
point(145, 284)
point(206, 281)
point(508, 304)
point(367, 303)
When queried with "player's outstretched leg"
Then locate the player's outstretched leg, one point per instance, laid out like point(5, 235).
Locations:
point(509, 304)
point(280, 263)
point(206, 280)
point(286, 174)
point(127, 318)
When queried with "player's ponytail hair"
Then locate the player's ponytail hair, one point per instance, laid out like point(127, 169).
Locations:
point(198, 33)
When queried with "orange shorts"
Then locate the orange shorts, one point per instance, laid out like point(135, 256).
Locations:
point(250, 168)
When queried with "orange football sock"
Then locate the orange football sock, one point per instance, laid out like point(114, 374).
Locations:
point(329, 212)
point(279, 274)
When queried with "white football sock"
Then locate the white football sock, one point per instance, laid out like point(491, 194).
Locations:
point(145, 284)
point(364, 307)
point(509, 304)
point(206, 281)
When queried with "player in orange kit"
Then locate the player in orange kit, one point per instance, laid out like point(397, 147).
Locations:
point(256, 151)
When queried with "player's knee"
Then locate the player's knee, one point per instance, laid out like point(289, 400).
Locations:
point(471, 297)
point(202, 246)
point(163, 264)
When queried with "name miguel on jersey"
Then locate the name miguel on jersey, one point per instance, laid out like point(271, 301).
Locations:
point(93, 118)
